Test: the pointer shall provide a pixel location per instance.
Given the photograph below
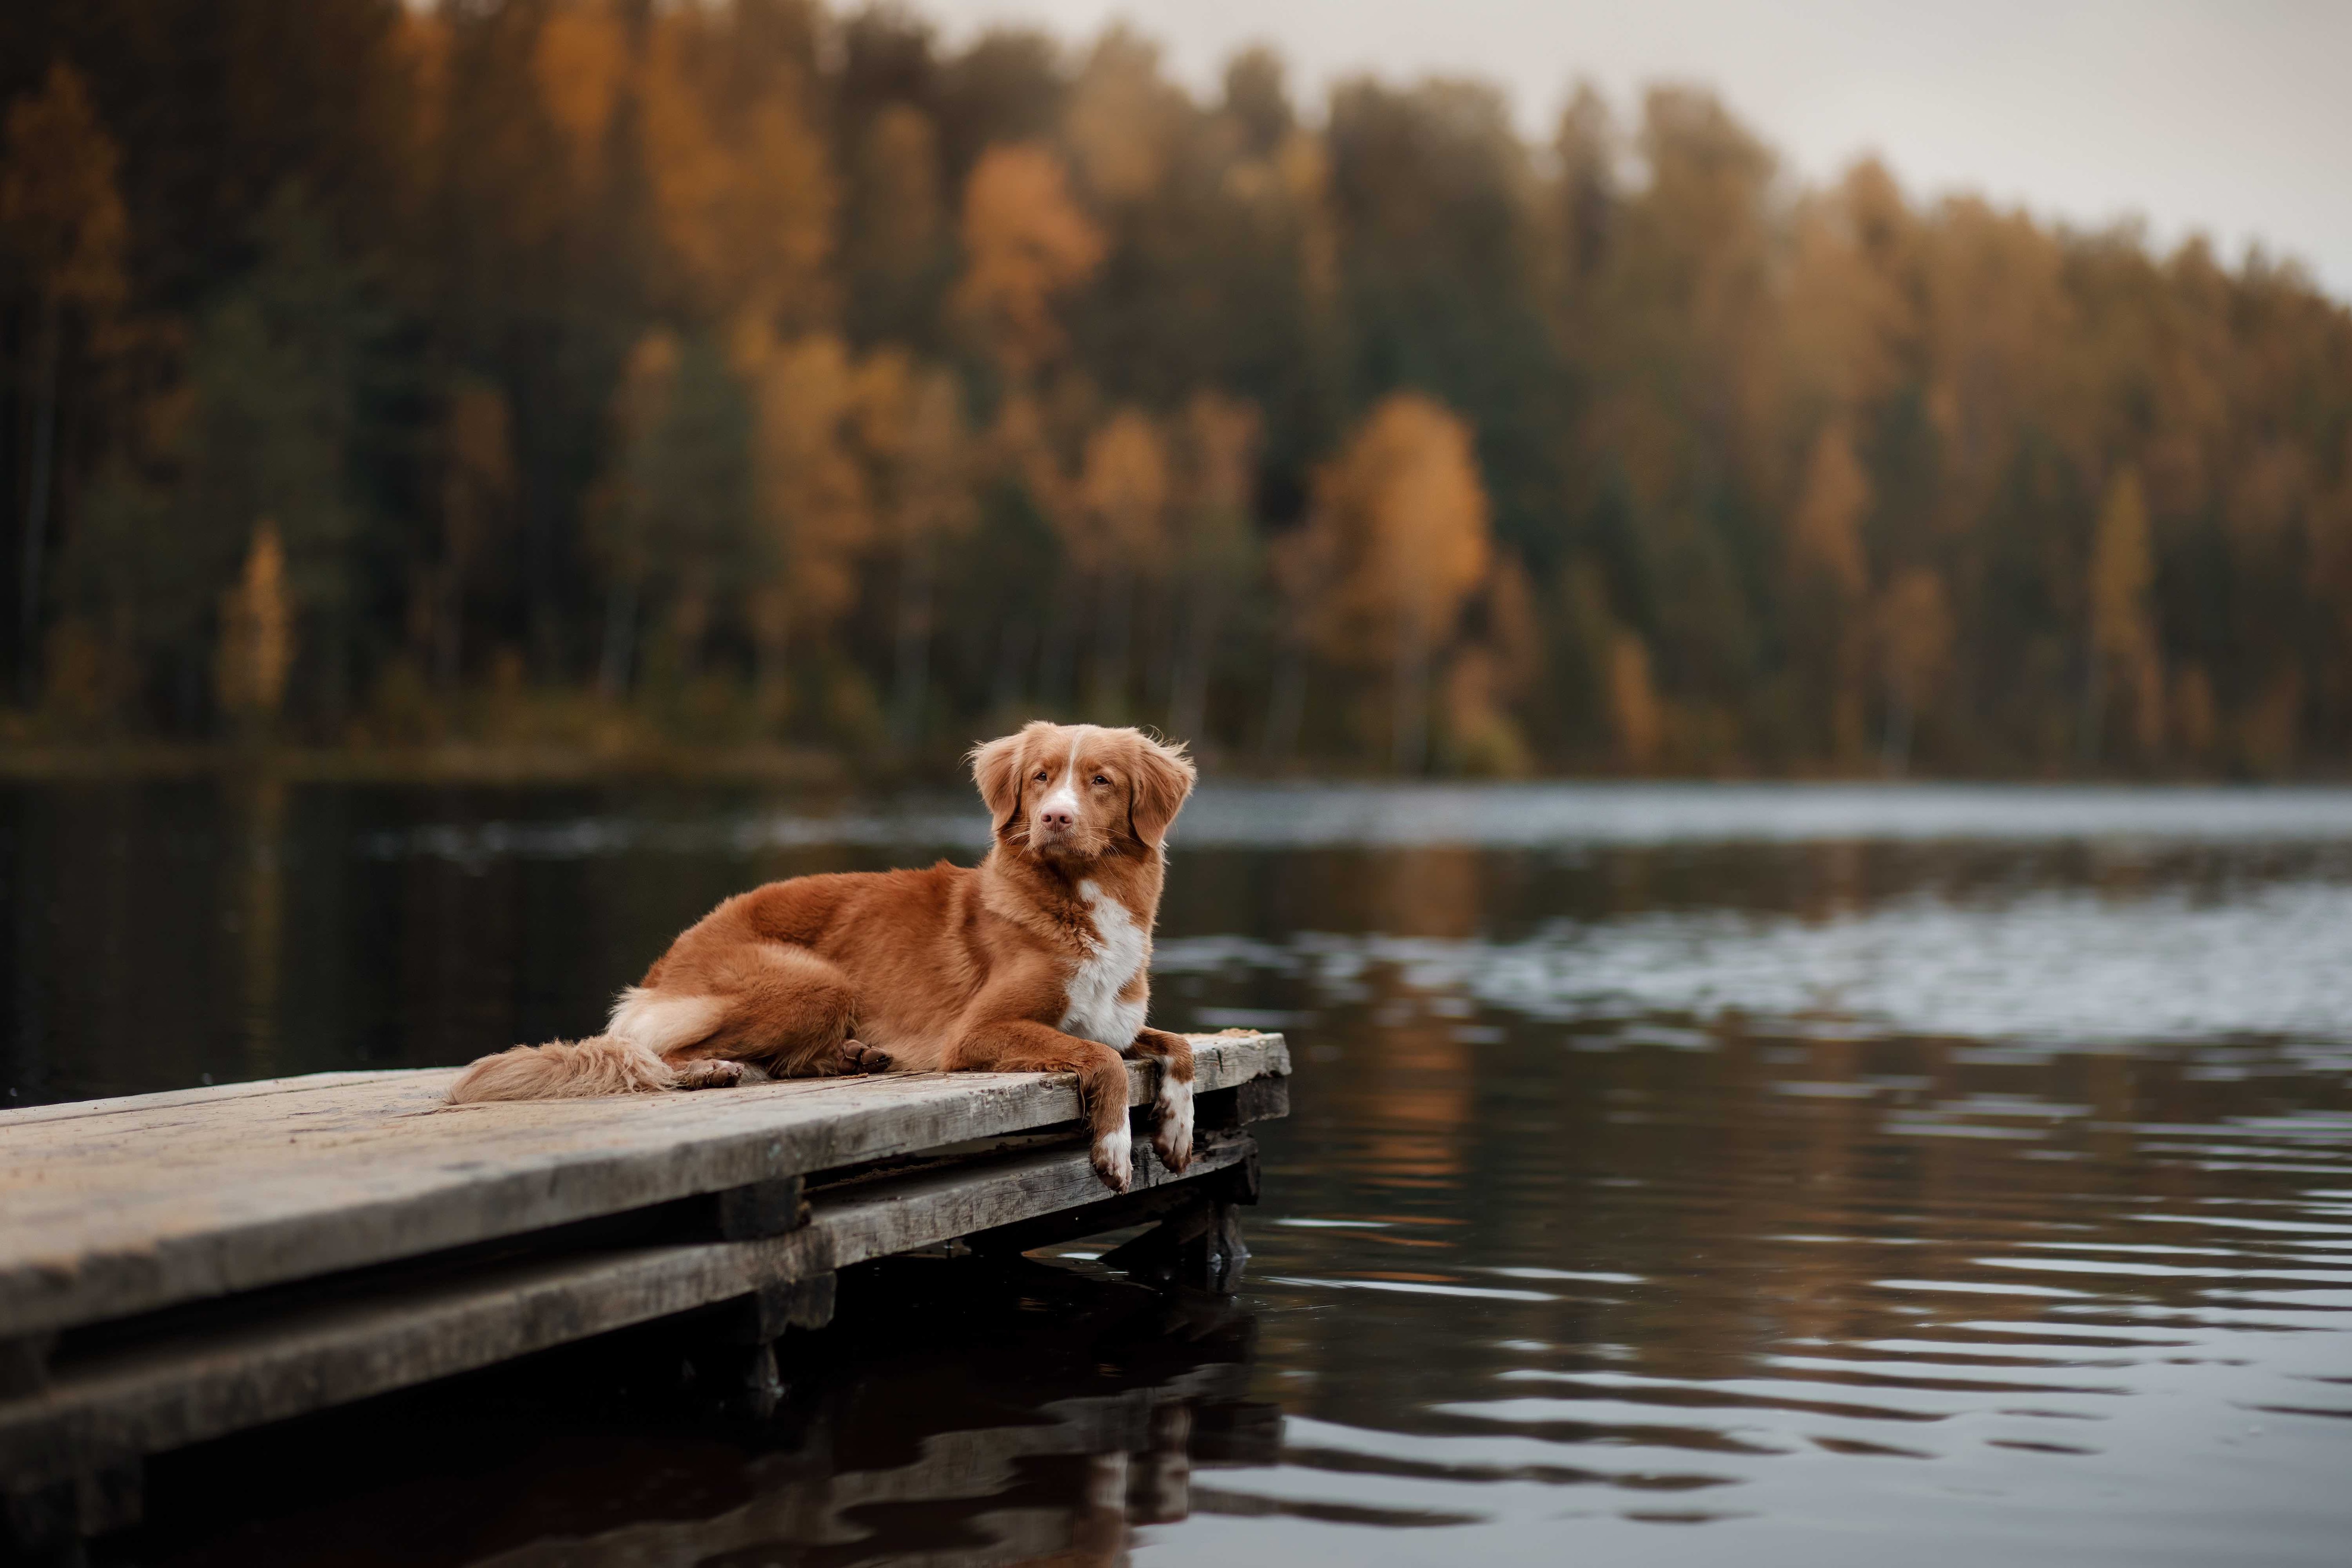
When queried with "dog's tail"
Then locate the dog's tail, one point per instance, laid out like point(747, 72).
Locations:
point(566, 1069)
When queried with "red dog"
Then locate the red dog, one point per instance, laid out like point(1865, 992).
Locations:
point(1033, 961)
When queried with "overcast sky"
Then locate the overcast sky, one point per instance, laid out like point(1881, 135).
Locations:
point(2233, 117)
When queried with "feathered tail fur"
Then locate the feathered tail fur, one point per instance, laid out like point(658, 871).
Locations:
point(627, 1059)
point(564, 1069)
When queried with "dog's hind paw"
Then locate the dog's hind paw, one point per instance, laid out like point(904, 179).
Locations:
point(856, 1055)
point(710, 1075)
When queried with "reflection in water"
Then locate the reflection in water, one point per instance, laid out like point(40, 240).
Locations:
point(959, 1412)
point(1666, 1180)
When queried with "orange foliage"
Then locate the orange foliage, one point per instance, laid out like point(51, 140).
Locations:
point(257, 643)
point(746, 207)
point(1830, 511)
point(1123, 487)
point(578, 62)
point(59, 209)
point(1400, 521)
point(1024, 242)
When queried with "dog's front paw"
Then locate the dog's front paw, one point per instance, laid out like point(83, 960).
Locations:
point(710, 1075)
point(1112, 1159)
point(856, 1055)
point(1172, 1138)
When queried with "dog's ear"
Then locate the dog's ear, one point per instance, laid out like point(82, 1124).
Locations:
point(996, 768)
point(1163, 777)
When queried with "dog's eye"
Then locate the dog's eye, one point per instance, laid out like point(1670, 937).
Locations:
point(1041, 775)
point(1100, 780)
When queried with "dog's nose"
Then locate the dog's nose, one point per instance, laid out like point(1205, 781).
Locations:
point(1058, 818)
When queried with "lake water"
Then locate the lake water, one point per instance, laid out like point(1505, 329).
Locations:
point(1677, 1174)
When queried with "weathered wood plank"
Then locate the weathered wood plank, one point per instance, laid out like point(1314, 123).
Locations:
point(173, 1390)
point(174, 1198)
point(173, 1099)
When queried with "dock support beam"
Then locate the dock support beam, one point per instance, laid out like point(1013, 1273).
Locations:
point(1196, 1241)
point(761, 1209)
point(1200, 1245)
point(758, 1211)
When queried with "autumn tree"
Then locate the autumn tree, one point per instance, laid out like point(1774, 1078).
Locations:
point(674, 509)
point(1400, 518)
point(1024, 242)
point(62, 233)
point(1831, 573)
point(920, 456)
point(872, 384)
point(478, 498)
point(256, 637)
point(1216, 554)
point(1912, 634)
point(2122, 641)
point(1123, 492)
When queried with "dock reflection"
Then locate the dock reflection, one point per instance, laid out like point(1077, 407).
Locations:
point(961, 1412)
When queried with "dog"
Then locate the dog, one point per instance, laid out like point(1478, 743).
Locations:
point(1035, 960)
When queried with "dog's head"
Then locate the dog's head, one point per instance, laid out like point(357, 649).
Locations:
point(1074, 793)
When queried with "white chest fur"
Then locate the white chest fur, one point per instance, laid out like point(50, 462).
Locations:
point(1092, 1009)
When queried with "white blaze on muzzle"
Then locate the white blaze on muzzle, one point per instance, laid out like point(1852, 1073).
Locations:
point(1065, 798)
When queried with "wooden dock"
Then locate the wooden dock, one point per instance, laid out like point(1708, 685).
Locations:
point(177, 1266)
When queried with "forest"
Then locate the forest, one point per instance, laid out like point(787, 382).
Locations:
point(646, 375)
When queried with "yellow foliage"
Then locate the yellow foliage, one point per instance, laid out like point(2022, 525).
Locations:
point(1488, 675)
point(421, 52)
point(809, 492)
point(60, 208)
point(2121, 571)
point(1827, 534)
point(900, 187)
point(478, 475)
point(1633, 708)
point(1124, 118)
point(1025, 241)
point(256, 637)
point(1397, 537)
point(1123, 488)
point(1995, 303)
point(578, 62)
point(2269, 493)
point(1481, 740)
point(1914, 636)
point(1221, 439)
point(85, 683)
point(746, 206)
point(2122, 622)
point(910, 427)
point(1847, 309)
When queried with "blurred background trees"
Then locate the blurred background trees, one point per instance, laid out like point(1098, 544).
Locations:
point(749, 373)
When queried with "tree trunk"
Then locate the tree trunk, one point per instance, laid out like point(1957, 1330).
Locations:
point(620, 633)
point(1894, 756)
point(46, 354)
point(1114, 640)
point(1009, 691)
point(449, 626)
point(1286, 706)
point(1188, 700)
point(1056, 671)
point(2095, 706)
point(1412, 724)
